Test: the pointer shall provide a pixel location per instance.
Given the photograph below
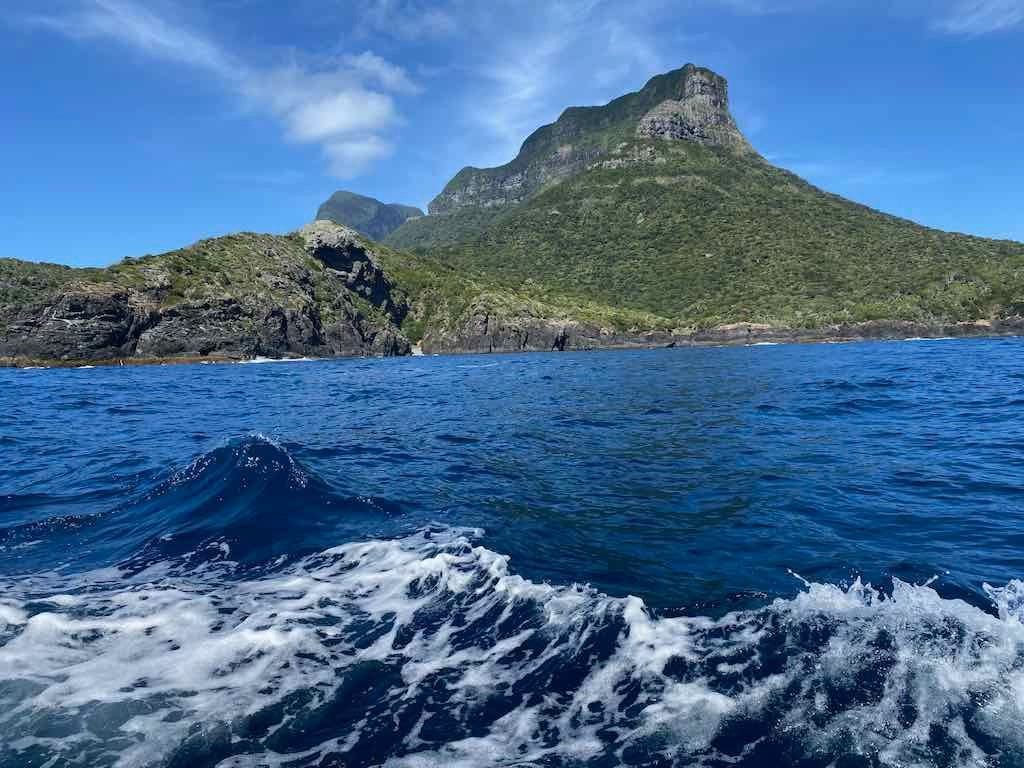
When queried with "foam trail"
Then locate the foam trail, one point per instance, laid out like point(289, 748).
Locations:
point(429, 651)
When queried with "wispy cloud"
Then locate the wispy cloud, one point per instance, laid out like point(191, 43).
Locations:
point(982, 17)
point(141, 29)
point(579, 52)
point(958, 17)
point(407, 19)
point(344, 105)
point(765, 7)
point(382, 72)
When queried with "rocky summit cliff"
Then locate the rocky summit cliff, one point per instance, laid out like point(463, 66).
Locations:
point(691, 104)
point(366, 215)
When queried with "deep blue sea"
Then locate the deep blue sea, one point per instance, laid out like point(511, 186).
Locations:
point(763, 556)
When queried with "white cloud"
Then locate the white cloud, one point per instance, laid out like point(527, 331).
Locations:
point(340, 114)
point(320, 105)
point(981, 17)
point(344, 105)
point(381, 71)
point(346, 154)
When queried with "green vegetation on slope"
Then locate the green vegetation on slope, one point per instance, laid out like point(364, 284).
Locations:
point(21, 281)
point(440, 296)
point(707, 236)
point(423, 234)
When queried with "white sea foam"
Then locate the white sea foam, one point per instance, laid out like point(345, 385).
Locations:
point(432, 629)
point(259, 360)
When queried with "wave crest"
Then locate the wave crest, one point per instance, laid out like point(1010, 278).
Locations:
point(428, 650)
point(249, 500)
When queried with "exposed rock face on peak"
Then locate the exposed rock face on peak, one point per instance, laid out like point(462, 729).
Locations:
point(687, 104)
point(368, 216)
point(701, 115)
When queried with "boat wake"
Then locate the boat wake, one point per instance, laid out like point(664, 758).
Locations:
point(427, 649)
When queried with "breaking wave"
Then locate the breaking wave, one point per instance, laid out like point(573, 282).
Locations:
point(428, 650)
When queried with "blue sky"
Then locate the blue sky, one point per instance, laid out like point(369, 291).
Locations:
point(138, 126)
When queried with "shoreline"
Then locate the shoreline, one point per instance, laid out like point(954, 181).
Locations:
point(735, 335)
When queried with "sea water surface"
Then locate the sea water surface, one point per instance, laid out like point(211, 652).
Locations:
point(761, 556)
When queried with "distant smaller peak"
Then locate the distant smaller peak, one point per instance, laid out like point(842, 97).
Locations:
point(367, 215)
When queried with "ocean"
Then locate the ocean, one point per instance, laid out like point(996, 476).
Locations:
point(793, 555)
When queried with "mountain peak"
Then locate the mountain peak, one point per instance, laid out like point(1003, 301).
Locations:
point(700, 112)
point(368, 216)
point(687, 104)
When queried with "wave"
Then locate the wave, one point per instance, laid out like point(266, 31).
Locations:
point(249, 498)
point(428, 650)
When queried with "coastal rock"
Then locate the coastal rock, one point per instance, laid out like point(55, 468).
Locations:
point(343, 250)
point(486, 328)
point(199, 329)
point(83, 322)
point(292, 331)
point(266, 301)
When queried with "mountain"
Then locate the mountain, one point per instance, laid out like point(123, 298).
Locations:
point(690, 103)
point(656, 203)
point(367, 216)
point(650, 221)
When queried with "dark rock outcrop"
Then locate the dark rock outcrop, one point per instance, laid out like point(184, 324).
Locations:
point(487, 329)
point(341, 249)
point(84, 321)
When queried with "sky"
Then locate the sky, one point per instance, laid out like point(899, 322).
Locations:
point(137, 126)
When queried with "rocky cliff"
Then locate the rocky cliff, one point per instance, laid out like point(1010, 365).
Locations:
point(700, 114)
point(319, 293)
point(691, 103)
